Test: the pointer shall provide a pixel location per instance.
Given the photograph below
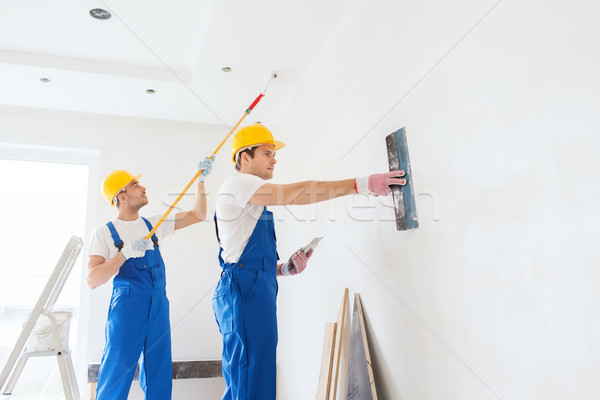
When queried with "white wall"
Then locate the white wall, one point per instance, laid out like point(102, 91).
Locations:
point(166, 153)
point(498, 299)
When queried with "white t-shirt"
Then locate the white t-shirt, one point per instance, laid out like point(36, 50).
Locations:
point(102, 243)
point(235, 216)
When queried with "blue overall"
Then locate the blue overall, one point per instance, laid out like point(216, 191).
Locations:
point(138, 321)
point(244, 303)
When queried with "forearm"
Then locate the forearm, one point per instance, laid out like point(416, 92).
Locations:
point(100, 273)
point(200, 202)
point(307, 192)
point(197, 213)
point(311, 192)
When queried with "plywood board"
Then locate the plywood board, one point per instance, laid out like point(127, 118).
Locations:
point(181, 370)
point(338, 347)
point(326, 362)
point(361, 381)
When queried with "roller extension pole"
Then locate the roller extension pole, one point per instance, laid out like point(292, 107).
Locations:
point(246, 113)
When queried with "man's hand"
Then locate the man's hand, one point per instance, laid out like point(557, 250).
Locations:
point(206, 165)
point(137, 248)
point(379, 184)
point(296, 264)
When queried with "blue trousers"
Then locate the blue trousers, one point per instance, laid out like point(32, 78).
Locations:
point(138, 323)
point(246, 312)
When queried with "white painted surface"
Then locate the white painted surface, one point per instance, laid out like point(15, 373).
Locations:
point(106, 66)
point(496, 300)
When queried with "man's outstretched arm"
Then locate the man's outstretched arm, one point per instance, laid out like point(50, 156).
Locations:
point(309, 192)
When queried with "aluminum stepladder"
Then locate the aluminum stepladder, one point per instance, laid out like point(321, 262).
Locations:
point(44, 306)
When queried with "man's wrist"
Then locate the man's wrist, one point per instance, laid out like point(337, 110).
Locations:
point(361, 184)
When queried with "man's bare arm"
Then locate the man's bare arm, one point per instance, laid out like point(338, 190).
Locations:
point(307, 192)
point(100, 270)
point(197, 214)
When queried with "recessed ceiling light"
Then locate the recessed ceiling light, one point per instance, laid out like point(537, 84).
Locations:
point(45, 80)
point(150, 91)
point(99, 13)
point(226, 69)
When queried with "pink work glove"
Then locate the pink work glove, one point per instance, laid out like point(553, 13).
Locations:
point(379, 184)
point(296, 264)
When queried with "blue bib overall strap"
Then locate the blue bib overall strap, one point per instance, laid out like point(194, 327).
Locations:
point(138, 322)
point(117, 240)
point(150, 227)
point(144, 272)
point(245, 308)
point(218, 241)
point(115, 235)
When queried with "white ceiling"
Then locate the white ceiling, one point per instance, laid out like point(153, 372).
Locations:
point(176, 48)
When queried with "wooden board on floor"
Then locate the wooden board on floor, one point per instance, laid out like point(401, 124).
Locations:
point(93, 386)
point(404, 196)
point(326, 362)
point(181, 370)
point(361, 382)
point(338, 346)
point(184, 369)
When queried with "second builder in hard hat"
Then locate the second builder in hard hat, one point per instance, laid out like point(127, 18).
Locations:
point(138, 317)
point(244, 300)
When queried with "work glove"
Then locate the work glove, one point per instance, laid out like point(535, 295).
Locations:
point(379, 184)
point(296, 264)
point(206, 165)
point(137, 248)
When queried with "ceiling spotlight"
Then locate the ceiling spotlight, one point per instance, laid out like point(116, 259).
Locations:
point(45, 80)
point(226, 69)
point(150, 91)
point(99, 13)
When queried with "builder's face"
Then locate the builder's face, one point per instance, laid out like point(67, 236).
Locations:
point(263, 163)
point(135, 195)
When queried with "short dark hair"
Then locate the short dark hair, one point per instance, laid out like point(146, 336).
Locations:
point(249, 151)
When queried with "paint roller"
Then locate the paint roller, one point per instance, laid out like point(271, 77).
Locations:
point(246, 113)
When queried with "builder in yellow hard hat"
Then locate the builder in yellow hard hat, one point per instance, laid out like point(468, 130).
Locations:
point(245, 298)
point(138, 319)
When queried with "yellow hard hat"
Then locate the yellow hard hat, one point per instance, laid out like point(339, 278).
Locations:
point(114, 182)
point(252, 135)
